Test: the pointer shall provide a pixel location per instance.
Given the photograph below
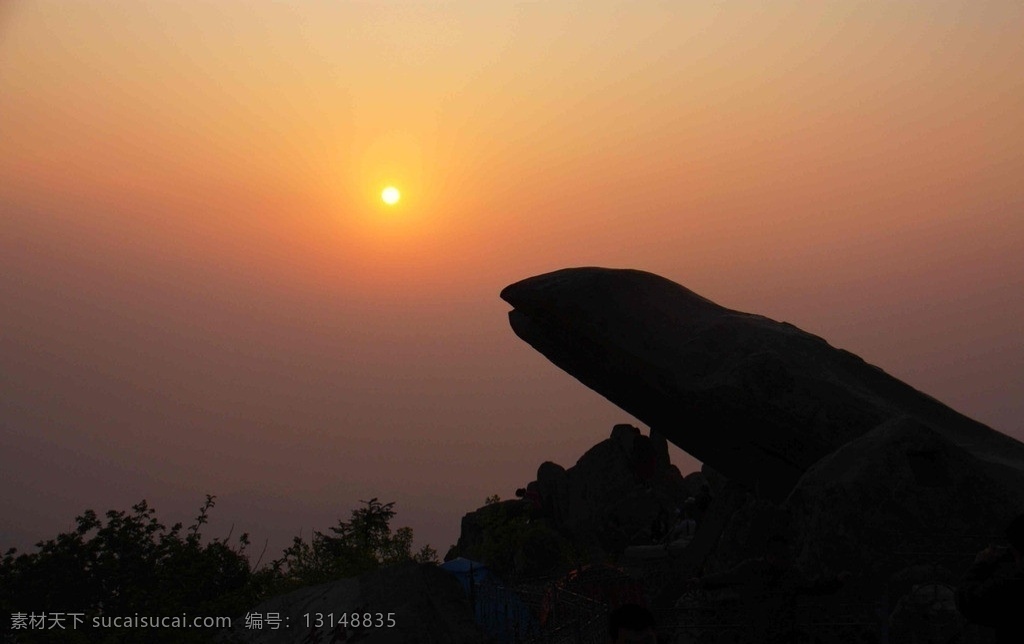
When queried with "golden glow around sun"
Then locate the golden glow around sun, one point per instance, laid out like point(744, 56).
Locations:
point(390, 195)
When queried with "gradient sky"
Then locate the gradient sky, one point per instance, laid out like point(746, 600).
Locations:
point(202, 292)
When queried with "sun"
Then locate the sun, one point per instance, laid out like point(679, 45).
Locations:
point(390, 195)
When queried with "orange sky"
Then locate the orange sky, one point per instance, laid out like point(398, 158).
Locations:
point(203, 292)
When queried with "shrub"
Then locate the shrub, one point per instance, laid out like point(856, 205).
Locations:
point(359, 545)
point(129, 563)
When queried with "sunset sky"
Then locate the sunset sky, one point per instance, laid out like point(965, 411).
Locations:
point(202, 291)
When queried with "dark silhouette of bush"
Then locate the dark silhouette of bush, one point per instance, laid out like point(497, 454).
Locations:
point(127, 564)
point(359, 545)
point(131, 564)
point(514, 545)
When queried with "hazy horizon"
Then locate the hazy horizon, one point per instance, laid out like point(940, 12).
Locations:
point(205, 294)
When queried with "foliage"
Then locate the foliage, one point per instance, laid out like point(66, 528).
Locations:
point(515, 545)
point(359, 545)
point(491, 500)
point(129, 563)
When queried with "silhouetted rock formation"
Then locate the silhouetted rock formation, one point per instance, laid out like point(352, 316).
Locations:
point(427, 603)
point(616, 489)
point(859, 470)
point(901, 486)
point(604, 503)
point(512, 539)
point(760, 401)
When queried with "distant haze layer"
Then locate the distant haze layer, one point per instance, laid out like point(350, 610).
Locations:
point(204, 293)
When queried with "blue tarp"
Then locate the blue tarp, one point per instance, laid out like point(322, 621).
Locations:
point(499, 611)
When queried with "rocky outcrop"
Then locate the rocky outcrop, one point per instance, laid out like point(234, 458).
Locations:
point(408, 602)
point(900, 506)
point(615, 490)
point(903, 487)
point(758, 400)
point(513, 539)
point(860, 471)
point(477, 526)
point(604, 503)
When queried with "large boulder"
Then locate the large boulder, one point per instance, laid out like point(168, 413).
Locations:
point(901, 488)
point(604, 503)
point(758, 400)
point(410, 602)
point(613, 493)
